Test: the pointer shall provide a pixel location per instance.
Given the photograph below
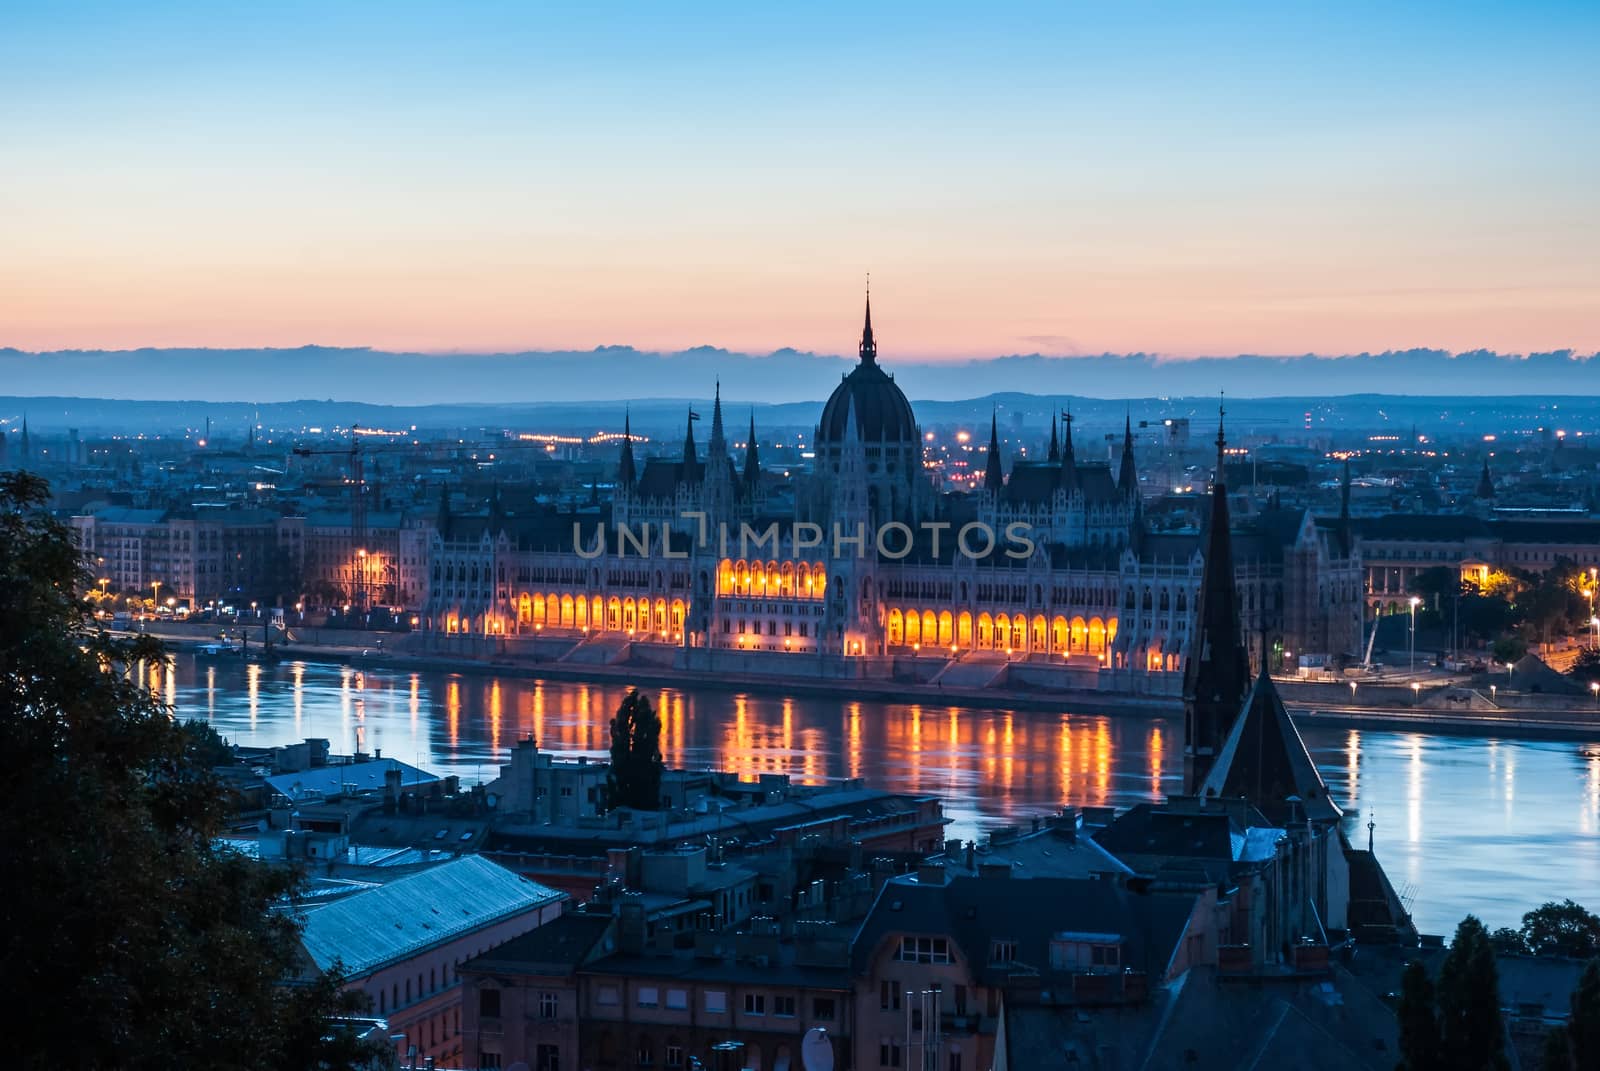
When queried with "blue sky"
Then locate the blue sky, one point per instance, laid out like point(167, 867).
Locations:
point(1174, 178)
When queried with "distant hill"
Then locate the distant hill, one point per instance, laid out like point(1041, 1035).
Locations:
point(785, 376)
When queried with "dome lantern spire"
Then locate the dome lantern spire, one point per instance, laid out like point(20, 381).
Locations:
point(869, 347)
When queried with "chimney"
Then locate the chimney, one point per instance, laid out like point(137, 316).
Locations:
point(972, 855)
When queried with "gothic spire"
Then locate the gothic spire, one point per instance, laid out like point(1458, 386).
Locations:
point(1127, 475)
point(441, 519)
point(27, 446)
point(993, 474)
point(690, 457)
point(1055, 447)
point(752, 461)
point(1069, 457)
point(1485, 481)
point(1216, 674)
point(627, 474)
point(1346, 535)
point(718, 444)
point(869, 347)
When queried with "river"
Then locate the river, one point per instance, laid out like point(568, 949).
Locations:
point(1462, 823)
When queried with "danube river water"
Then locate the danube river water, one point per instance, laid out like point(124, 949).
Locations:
point(1462, 823)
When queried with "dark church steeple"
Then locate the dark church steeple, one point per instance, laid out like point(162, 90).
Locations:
point(752, 461)
point(1069, 457)
point(1128, 475)
point(993, 474)
point(1216, 675)
point(1485, 489)
point(718, 445)
point(1055, 447)
point(627, 473)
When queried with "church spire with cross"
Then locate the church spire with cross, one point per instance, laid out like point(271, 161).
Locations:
point(1216, 675)
point(869, 346)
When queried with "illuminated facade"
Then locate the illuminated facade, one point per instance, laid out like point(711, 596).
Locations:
point(1045, 571)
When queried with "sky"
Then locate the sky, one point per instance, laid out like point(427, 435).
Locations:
point(1068, 178)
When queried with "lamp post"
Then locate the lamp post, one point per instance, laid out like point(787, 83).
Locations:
point(1414, 602)
point(1416, 692)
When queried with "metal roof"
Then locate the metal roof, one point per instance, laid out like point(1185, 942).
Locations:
point(323, 781)
point(369, 930)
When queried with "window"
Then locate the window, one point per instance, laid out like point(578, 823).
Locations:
point(648, 996)
point(716, 1002)
point(755, 1004)
point(923, 950)
point(607, 995)
point(783, 1006)
point(674, 1055)
point(549, 1005)
point(889, 995)
point(1003, 952)
point(645, 1055)
point(678, 998)
point(888, 1053)
point(489, 1003)
point(488, 1060)
point(547, 1058)
point(823, 1008)
point(955, 1060)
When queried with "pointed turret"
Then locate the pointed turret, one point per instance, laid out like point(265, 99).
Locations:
point(1069, 456)
point(691, 457)
point(497, 510)
point(627, 472)
point(1264, 760)
point(1485, 489)
point(1217, 671)
point(718, 445)
point(27, 445)
point(869, 346)
point(1127, 474)
point(993, 475)
point(752, 461)
point(1055, 447)
point(441, 517)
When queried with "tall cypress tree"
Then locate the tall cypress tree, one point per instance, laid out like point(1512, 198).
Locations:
point(635, 776)
point(1419, 1026)
point(1470, 1025)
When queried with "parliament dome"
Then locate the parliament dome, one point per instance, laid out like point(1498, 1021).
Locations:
point(882, 412)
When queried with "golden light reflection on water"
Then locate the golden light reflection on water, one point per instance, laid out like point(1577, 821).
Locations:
point(989, 766)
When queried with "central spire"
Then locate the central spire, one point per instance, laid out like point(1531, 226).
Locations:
point(869, 348)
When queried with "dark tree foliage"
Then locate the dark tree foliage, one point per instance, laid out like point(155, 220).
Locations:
point(1470, 1027)
point(635, 777)
point(1564, 929)
point(1420, 1048)
point(128, 937)
point(1586, 667)
point(1556, 1052)
point(1584, 1027)
point(1508, 942)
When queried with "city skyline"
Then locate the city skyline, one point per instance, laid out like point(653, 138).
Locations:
point(1244, 179)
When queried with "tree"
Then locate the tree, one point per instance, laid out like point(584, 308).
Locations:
point(635, 777)
point(1507, 941)
point(1564, 929)
point(1556, 1052)
point(1508, 649)
point(1419, 1026)
point(1584, 1027)
point(1470, 1027)
point(1586, 667)
point(136, 940)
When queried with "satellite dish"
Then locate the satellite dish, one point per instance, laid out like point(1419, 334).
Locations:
point(816, 1050)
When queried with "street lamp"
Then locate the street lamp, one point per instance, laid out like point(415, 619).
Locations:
point(1494, 693)
point(1414, 602)
point(1594, 690)
point(1352, 691)
point(1416, 691)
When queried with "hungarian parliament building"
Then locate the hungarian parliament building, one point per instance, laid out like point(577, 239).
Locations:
point(1047, 574)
